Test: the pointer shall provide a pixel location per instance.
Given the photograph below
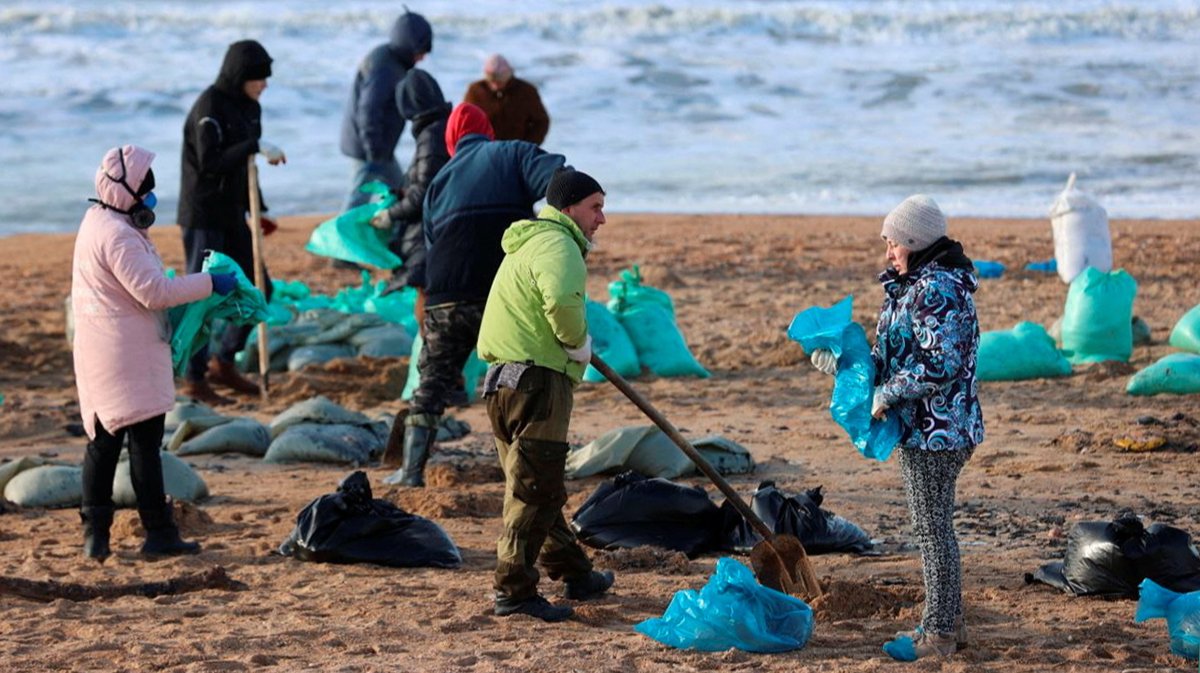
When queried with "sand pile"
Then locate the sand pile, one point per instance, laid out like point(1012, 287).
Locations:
point(447, 474)
point(357, 383)
point(191, 519)
point(644, 559)
point(845, 599)
point(434, 503)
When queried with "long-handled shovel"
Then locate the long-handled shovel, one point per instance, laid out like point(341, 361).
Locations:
point(260, 278)
point(779, 561)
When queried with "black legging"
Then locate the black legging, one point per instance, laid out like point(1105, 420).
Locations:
point(145, 464)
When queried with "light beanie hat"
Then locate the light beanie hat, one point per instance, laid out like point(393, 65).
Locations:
point(916, 223)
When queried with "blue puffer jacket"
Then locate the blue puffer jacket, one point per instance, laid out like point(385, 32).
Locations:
point(487, 186)
point(925, 349)
point(371, 125)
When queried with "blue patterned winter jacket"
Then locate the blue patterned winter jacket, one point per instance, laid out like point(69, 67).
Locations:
point(925, 348)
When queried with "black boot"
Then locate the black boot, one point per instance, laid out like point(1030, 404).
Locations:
point(162, 535)
point(535, 606)
point(418, 442)
point(591, 585)
point(97, 519)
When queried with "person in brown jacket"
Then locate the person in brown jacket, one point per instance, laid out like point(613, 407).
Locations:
point(513, 105)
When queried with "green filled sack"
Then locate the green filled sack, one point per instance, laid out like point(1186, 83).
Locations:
point(611, 343)
point(472, 372)
point(1024, 352)
point(192, 322)
point(1186, 335)
point(1177, 373)
point(46, 486)
point(648, 316)
point(351, 237)
point(1098, 318)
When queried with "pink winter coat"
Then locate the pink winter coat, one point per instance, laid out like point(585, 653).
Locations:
point(118, 295)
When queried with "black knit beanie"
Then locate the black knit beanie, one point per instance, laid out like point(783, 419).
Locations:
point(569, 186)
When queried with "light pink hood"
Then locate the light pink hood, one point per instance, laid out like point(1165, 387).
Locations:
point(137, 162)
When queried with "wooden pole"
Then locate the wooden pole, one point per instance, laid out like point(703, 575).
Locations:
point(260, 276)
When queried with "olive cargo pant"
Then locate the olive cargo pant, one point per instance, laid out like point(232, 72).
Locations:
point(530, 424)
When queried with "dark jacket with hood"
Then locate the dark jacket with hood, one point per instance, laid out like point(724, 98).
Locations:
point(371, 125)
point(221, 132)
point(487, 186)
point(422, 104)
point(925, 349)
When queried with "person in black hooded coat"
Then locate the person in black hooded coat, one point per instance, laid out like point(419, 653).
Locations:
point(222, 131)
point(421, 102)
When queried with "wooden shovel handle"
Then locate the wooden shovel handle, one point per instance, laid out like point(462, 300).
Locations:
point(260, 277)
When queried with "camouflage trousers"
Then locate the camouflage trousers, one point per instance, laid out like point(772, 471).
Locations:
point(530, 424)
point(450, 333)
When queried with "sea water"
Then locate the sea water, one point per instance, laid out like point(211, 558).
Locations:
point(768, 106)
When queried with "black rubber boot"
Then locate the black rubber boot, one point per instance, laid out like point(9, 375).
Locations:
point(534, 607)
point(162, 535)
point(97, 519)
point(591, 585)
point(418, 442)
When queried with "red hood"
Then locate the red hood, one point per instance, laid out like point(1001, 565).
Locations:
point(465, 120)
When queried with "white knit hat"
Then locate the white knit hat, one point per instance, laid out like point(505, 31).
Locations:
point(916, 223)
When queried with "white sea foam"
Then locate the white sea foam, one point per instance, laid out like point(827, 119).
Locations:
point(841, 106)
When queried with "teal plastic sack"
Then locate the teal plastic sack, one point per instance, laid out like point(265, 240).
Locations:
point(472, 372)
point(833, 329)
point(1098, 318)
point(648, 316)
point(1177, 373)
point(1182, 612)
point(611, 343)
point(732, 610)
point(192, 322)
point(1024, 352)
point(351, 237)
point(1186, 335)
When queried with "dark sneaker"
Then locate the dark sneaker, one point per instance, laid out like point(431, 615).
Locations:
point(592, 585)
point(534, 607)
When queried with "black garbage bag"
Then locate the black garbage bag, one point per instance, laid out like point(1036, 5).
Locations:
point(349, 526)
point(632, 510)
point(1106, 558)
point(819, 530)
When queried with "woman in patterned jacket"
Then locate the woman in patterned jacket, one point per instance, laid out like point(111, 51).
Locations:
point(924, 354)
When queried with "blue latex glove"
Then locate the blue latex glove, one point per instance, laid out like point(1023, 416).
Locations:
point(223, 283)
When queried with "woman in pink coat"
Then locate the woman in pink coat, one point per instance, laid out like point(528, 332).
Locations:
point(122, 348)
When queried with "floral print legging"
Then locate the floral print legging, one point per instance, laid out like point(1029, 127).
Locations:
point(929, 483)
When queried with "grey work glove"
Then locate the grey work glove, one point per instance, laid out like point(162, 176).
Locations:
point(272, 152)
point(824, 360)
point(583, 354)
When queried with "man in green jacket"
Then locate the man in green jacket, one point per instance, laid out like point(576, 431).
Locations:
point(535, 337)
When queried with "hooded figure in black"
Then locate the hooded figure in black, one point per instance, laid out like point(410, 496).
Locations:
point(222, 131)
point(421, 102)
point(372, 125)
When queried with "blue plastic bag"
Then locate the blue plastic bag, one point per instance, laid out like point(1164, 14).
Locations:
point(648, 316)
point(611, 343)
point(986, 269)
point(1182, 612)
point(732, 611)
point(1098, 318)
point(192, 323)
point(1047, 266)
point(1024, 352)
point(833, 329)
point(350, 236)
point(1186, 334)
point(1177, 373)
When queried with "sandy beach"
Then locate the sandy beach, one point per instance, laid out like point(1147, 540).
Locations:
point(1049, 460)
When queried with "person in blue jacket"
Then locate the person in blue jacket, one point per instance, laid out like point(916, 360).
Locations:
point(925, 350)
point(372, 123)
point(486, 186)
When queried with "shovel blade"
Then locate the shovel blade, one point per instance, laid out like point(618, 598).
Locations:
point(777, 563)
